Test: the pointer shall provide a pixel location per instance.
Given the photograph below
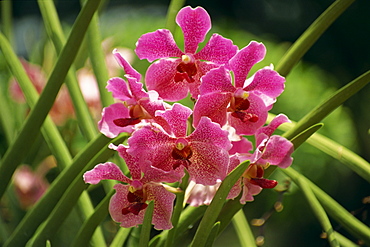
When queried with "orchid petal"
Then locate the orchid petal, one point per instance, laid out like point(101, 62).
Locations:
point(245, 59)
point(195, 24)
point(208, 163)
point(249, 190)
point(210, 132)
point(176, 118)
point(256, 107)
point(105, 171)
point(118, 202)
point(129, 70)
point(111, 113)
point(163, 206)
point(270, 128)
point(152, 144)
point(216, 80)
point(212, 105)
point(218, 50)
point(160, 77)
point(266, 83)
point(158, 44)
point(131, 161)
point(278, 152)
point(244, 146)
point(119, 89)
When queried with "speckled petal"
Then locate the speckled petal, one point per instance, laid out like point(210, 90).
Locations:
point(177, 118)
point(119, 89)
point(244, 60)
point(267, 84)
point(160, 77)
point(218, 50)
point(278, 152)
point(104, 171)
point(270, 128)
point(118, 202)
point(256, 107)
point(150, 143)
point(156, 45)
point(163, 206)
point(208, 163)
point(212, 105)
point(210, 132)
point(129, 70)
point(110, 113)
point(195, 24)
point(216, 80)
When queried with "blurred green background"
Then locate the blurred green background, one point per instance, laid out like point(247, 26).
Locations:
point(339, 56)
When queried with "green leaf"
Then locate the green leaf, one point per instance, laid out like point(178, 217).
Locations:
point(334, 209)
point(318, 211)
point(172, 11)
point(55, 32)
point(86, 231)
point(215, 207)
point(213, 234)
point(46, 204)
point(120, 237)
point(310, 36)
point(337, 151)
point(147, 225)
point(243, 229)
point(30, 129)
point(325, 108)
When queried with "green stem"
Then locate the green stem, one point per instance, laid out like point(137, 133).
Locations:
point(6, 19)
point(334, 209)
point(337, 151)
point(55, 32)
point(30, 129)
point(309, 37)
point(325, 108)
point(318, 211)
point(179, 206)
point(243, 229)
point(147, 225)
point(120, 237)
point(97, 58)
point(216, 205)
point(70, 196)
point(172, 11)
point(42, 209)
point(89, 226)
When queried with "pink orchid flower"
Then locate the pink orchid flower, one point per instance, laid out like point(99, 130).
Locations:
point(271, 150)
point(204, 153)
point(177, 72)
point(137, 104)
point(128, 205)
point(245, 104)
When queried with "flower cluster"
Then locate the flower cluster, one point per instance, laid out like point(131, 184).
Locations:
point(208, 141)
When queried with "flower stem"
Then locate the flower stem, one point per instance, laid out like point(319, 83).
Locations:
point(243, 229)
point(216, 205)
point(172, 11)
point(310, 36)
point(147, 225)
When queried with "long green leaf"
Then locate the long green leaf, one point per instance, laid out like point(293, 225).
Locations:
point(325, 108)
point(337, 151)
point(89, 226)
point(30, 129)
point(334, 209)
point(309, 37)
point(147, 225)
point(70, 197)
point(216, 205)
point(55, 32)
point(318, 211)
point(243, 229)
point(42, 209)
